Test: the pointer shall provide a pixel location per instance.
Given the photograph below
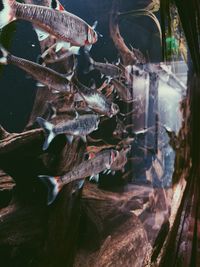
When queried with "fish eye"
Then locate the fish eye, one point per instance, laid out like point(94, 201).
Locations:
point(54, 4)
point(137, 73)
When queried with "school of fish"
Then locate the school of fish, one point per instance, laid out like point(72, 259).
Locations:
point(73, 36)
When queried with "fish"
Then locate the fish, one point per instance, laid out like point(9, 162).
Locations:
point(96, 100)
point(80, 126)
point(88, 168)
point(88, 64)
point(64, 25)
point(106, 69)
point(122, 91)
point(44, 75)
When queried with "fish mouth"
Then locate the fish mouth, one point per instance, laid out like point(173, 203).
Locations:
point(92, 37)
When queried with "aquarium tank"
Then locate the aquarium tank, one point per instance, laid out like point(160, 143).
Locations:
point(99, 133)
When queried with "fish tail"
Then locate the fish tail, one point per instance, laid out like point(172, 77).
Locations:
point(48, 128)
point(7, 12)
point(3, 55)
point(53, 187)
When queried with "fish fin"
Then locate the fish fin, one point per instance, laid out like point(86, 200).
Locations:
point(78, 186)
point(3, 55)
point(52, 110)
point(61, 44)
point(75, 50)
point(42, 35)
point(95, 25)
point(48, 128)
point(7, 12)
point(55, 91)
point(38, 84)
point(76, 114)
point(60, 7)
point(81, 183)
point(52, 186)
point(83, 137)
point(109, 78)
point(3, 133)
point(70, 138)
point(118, 62)
point(113, 172)
point(69, 76)
point(94, 178)
point(88, 47)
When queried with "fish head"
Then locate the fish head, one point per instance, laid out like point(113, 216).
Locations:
point(92, 36)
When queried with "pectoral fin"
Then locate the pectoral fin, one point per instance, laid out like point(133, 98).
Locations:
point(42, 35)
point(52, 186)
point(70, 138)
point(94, 178)
point(83, 137)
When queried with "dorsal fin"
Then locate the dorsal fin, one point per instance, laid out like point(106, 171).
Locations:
point(3, 133)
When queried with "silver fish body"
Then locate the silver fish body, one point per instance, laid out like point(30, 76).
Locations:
point(44, 75)
point(107, 69)
point(63, 25)
point(97, 101)
point(81, 126)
